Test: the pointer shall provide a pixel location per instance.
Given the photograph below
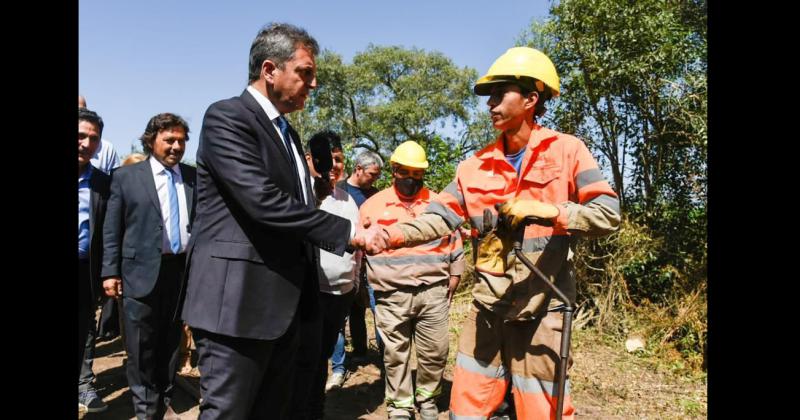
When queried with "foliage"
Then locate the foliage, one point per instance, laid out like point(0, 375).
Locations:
point(633, 84)
point(389, 95)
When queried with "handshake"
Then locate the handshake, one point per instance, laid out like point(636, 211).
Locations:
point(373, 239)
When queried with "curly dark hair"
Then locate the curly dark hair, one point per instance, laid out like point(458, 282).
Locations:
point(158, 123)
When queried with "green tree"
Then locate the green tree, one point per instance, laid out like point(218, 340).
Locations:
point(633, 84)
point(633, 78)
point(391, 94)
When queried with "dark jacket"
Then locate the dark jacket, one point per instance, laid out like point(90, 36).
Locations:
point(251, 254)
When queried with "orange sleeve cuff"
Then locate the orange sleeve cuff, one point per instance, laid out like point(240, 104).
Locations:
point(396, 238)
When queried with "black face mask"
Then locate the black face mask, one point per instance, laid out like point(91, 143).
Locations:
point(408, 187)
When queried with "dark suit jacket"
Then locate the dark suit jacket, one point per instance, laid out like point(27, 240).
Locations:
point(251, 254)
point(99, 186)
point(134, 227)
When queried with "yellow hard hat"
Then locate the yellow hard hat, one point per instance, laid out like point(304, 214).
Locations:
point(516, 65)
point(410, 154)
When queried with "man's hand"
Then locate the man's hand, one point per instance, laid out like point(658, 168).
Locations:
point(492, 253)
point(113, 287)
point(374, 239)
point(451, 288)
point(516, 210)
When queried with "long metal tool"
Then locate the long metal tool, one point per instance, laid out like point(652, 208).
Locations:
point(569, 309)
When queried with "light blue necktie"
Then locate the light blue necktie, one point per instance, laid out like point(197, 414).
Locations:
point(174, 214)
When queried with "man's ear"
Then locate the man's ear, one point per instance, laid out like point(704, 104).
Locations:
point(268, 68)
point(531, 100)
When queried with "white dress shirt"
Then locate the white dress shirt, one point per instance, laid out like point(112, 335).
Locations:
point(272, 114)
point(160, 176)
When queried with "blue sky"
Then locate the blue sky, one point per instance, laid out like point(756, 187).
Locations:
point(140, 58)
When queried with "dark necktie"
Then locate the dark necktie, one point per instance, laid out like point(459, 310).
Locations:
point(287, 141)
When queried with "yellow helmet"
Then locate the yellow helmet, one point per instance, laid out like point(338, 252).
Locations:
point(410, 154)
point(516, 65)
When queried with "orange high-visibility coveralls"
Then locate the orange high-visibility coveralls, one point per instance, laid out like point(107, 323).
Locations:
point(411, 302)
point(513, 330)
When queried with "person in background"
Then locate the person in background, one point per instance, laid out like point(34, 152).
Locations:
point(338, 285)
point(93, 193)
point(148, 224)
point(413, 288)
point(105, 158)
point(358, 185)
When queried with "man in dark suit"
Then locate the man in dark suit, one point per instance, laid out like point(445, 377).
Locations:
point(93, 190)
point(252, 266)
point(147, 228)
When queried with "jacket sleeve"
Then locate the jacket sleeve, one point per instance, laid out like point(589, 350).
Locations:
point(457, 262)
point(113, 227)
point(231, 153)
point(443, 215)
point(597, 210)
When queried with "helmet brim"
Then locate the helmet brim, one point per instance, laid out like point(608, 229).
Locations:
point(484, 85)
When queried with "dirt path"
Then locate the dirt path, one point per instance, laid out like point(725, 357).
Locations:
point(607, 383)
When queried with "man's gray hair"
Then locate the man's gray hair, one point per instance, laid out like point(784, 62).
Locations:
point(368, 158)
point(277, 42)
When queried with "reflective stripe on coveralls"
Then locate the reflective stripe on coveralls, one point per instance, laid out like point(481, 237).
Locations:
point(426, 263)
point(557, 168)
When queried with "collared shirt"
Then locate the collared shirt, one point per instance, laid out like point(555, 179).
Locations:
point(273, 114)
point(161, 179)
point(424, 264)
point(84, 212)
point(105, 158)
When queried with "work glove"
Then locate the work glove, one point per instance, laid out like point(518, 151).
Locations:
point(493, 248)
point(513, 212)
point(493, 252)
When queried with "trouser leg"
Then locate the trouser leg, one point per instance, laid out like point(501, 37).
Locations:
point(431, 341)
point(533, 351)
point(479, 377)
point(394, 318)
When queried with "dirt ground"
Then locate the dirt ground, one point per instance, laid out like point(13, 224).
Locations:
point(607, 383)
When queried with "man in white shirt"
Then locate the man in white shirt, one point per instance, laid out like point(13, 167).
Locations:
point(148, 228)
point(338, 284)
